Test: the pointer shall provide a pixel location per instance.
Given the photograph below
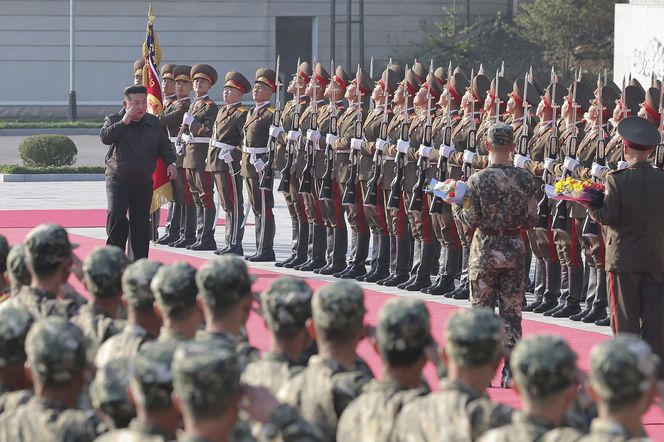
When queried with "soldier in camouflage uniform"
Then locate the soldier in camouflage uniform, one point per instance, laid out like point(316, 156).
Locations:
point(402, 336)
point(336, 376)
point(174, 287)
point(15, 387)
point(151, 385)
point(57, 361)
point(546, 378)
point(17, 271)
point(474, 344)
point(98, 320)
point(142, 322)
point(286, 306)
point(500, 201)
point(224, 289)
point(206, 384)
point(109, 393)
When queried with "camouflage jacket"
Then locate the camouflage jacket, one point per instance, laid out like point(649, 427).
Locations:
point(169, 335)
point(122, 345)
point(245, 351)
point(40, 303)
point(97, 327)
point(604, 430)
point(456, 406)
point(271, 371)
point(528, 428)
point(371, 416)
point(138, 431)
point(10, 400)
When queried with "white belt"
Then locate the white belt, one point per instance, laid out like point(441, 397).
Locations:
point(342, 151)
point(188, 139)
point(387, 158)
point(255, 150)
point(221, 145)
point(173, 139)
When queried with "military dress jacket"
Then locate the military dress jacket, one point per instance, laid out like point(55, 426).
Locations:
point(256, 137)
point(171, 119)
point(204, 111)
point(227, 136)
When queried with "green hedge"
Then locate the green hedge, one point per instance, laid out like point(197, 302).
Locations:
point(47, 150)
point(50, 124)
point(16, 169)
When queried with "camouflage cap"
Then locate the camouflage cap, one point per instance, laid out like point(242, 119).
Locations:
point(473, 336)
point(174, 286)
point(623, 368)
point(56, 350)
point(501, 134)
point(152, 378)
point(4, 251)
point(136, 281)
point(16, 267)
point(223, 281)
point(205, 373)
point(338, 306)
point(544, 365)
point(47, 245)
point(14, 326)
point(286, 303)
point(108, 390)
point(403, 324)
point(102, 271)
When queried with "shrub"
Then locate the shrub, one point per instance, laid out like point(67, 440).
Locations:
point(47, 150)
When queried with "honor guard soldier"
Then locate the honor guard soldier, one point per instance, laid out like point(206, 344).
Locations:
point(138, 72)
point(181, 212)
point(396, 219)
point(330, 203)
point(223, 160)
point(199, 121)
point(344, 165)
point(168, 92)
point(254, 157)
point(299, 224)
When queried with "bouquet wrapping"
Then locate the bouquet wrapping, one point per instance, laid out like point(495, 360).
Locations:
point(450, 191)
point(576, 190)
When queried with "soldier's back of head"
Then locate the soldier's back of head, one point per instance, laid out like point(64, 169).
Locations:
point(338, 311)
point(223, 282)
point(102, 271)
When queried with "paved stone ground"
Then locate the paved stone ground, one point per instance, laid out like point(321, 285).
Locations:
point(91, 195)
point(91, 151)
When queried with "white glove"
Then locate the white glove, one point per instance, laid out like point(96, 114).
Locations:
point(597, 169)
point(329, 138)
point(380, 145)
point(259, 165)
point(424, 151)
point(187, 119)
point(356, 143)
point(468, 156)
point(313, 136)
point(623, 165)
point(275, 131)
point(570, 163)
point(446, 151)
point(549, 163)
point(226, 156)
point(521, 160)
point(179, 149)
point(294, 135)
point(403, 146)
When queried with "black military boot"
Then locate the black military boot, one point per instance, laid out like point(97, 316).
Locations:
point(575, 286)
point(590, 282)
point(598, 310)
point(187, 228)
point(207, 241)
point(427, 259)
point(382, 261)
point(552, 293)
point(540, 286)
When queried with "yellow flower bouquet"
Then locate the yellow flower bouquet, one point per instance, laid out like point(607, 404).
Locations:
point(572, 189)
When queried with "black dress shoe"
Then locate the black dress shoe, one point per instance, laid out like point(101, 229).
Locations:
point(203, 246)
point(266, 256)
point(296, 262)
point(595, 314)
point(453, 292)
point(376, 276)
point(248, 258)
point(354, 273)
point(368, 274)
point(285, 261)
point(395, 280)
point(532, 306)
point(384, 280)
point(167, 239)
point(182, 243)
point(305, 263)
point(237, 250)
point(331, 270)
point(605, 322)
point(312, 265)
point(567, 311)
point(445, 285)
point(221, 251)
point(464, 293)
point(325, 267)
point(407, 283)
point(418, 285)
point(545, 307)
point(555, 309)
point(579, 316)
point(339, 273)
point(191, 245)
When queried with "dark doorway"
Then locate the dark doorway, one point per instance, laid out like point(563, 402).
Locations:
point(293, 40)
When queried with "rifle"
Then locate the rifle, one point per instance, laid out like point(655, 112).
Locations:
point(523, 139)
point(307, 172)
point(326, 187)
point(550, 150)
point(268, 174)
point(284, 185)
point(372, 185)
point(418, 189)
point(497, 96)
point(659, 151)
point(472, 135)
point(394, 198)
point(441, 166)
point(590, 226)
point(349, 192)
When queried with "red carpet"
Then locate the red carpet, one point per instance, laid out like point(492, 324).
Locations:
point(581, 341)
point(66, 218)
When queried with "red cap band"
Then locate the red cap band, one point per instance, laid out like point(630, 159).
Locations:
point(453, 92)
point(340, 81)
point(321, 80)
point(640, 147)
point(653, 114)
point(303, 76)
point(517, 99)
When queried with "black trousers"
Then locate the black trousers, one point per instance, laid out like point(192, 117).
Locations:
point(133, 198)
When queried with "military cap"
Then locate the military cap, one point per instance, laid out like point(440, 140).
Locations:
point(223, 281)
point(267, 76)
point(610, 83)
point(544, 365)
point(411, 82)
point(4, 251)
point(321, 75)
point(420, 71)
point(633, 98)
point(151, 375)
point(363, 82)
point(16, 268)
point(136, 281)
point(651, 103)
point(634, 82)
point(479, 87)
point(585, 78)
point(304, 71)
point(434, 87)
point(204, 71)
point(561, 92)
point(205, 374)
point(237, 81)
point(341, 77)
point(458, 70)
point(457, 86)
point(102, 271)
point(167, 71)
point(501, 134)
point(398, 70)
point(47, 245)
point(139, 65)
point(338, 306)
point(286, 304)
point(503, 89)
point(56, 350)
point(480, 71)
point(638, 133)
point(392, 81)
point(14, 326)
point(473, 336)
point(440, 75)
point(403, 324)
point(517, 93)
point(182, 73)
point(609, 98)
point(174, 286)
point(109, 390)
point(584, 95)
point(656, 83)
point(622, 368)
point(538, 88)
